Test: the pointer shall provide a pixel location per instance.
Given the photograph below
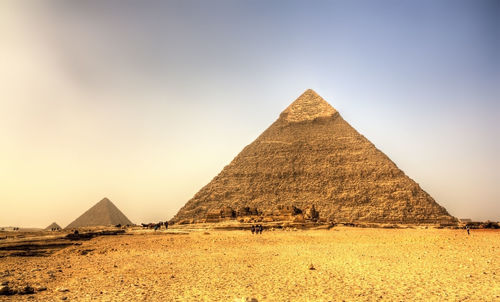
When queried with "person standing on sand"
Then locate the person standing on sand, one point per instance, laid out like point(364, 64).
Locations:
point(468, 229)
point(253, 229)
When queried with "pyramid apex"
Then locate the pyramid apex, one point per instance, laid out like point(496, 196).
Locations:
point(309, 90)
point(308, 106)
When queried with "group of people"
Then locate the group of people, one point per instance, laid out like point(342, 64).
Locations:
point(155, 226)
point(257, 229)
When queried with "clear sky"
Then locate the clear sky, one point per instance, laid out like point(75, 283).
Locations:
point(144, 102)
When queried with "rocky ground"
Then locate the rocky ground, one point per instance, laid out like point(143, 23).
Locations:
point(342, 263)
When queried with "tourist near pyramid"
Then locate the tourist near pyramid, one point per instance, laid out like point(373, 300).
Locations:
point(103, 213)
point(53, 227)
point(310, 157)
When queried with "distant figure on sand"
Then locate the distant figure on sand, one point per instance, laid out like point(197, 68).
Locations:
point(252, 229)
point(166, 225)
point(258, 229)
point(158, 225)
point(468, 229)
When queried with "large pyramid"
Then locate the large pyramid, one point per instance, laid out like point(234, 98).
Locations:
point(311, 156)
point(103, 213)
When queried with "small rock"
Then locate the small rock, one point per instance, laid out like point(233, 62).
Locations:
point(85, 252)
point(6, 291)
point(27, 290)
point(64, 298)
point(41, 289)
point(62, 290)
point(5, 283)
point(311, 267)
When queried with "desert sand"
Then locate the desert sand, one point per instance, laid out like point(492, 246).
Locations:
point(351, 264)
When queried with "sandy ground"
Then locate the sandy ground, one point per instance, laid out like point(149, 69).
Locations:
point(350, 264)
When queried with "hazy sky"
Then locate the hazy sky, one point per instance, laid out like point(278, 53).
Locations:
point(146, 101)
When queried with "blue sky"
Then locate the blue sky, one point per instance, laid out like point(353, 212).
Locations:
point(144, 102)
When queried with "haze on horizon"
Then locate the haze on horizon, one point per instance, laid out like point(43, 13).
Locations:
point(145, 102)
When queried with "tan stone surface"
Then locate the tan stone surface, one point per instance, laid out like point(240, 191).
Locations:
point(349, 264)
point(310, 155)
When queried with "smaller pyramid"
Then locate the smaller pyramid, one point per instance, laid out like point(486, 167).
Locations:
point(53, 227)
point(103, 213)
